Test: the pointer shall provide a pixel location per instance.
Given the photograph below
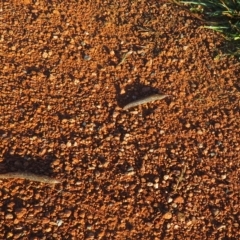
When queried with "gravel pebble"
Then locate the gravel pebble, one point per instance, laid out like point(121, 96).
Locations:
point(166, 169)
point(179, 199)
point(167, 215)
point(9, 216)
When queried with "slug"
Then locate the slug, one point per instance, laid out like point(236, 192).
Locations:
point(30, 176)
point(148, 99)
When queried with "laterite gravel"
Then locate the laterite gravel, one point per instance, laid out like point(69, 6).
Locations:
point(163, 170)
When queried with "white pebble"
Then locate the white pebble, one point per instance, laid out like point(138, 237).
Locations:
point(149, 184)
point(224, 176)
point(166, 177)
point(59, 222)
point(161, 132)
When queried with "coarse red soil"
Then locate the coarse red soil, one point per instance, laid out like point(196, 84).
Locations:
point(168, 169)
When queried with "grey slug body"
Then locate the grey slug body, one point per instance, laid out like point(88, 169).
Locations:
point(30, 176)
point(148, 99)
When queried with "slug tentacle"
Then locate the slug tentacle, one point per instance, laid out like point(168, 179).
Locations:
point(148, 99)
point(30, 176)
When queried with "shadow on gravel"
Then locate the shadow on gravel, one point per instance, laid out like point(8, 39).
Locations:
point(36, 165)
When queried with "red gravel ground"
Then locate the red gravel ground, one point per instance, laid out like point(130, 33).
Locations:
point(163, 170)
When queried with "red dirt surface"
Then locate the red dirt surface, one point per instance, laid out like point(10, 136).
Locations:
point(163, 170)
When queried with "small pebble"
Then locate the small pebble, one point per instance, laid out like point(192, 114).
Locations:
point(149, 184)
point(212, 154)
point(130, 173)
point(200, 132)
point(174, 205)
point(48, 229)
point(143, 180)
point(156, 179)
point(45, 55)
point(167, 215)
point(9, 235)
point(179, 200)
point(181, 217)
point(112, 53)
point(189, 223)
point(200, 145)
point(115, 114)
point(59, 222)
point(67, 213)
point(89, 227)
point(176, 227)
point(221, 227)
point(8, 216)
point(224, 176)
point(130, 169)
point(166, 177)
point(20, 212)
point(87, 58)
